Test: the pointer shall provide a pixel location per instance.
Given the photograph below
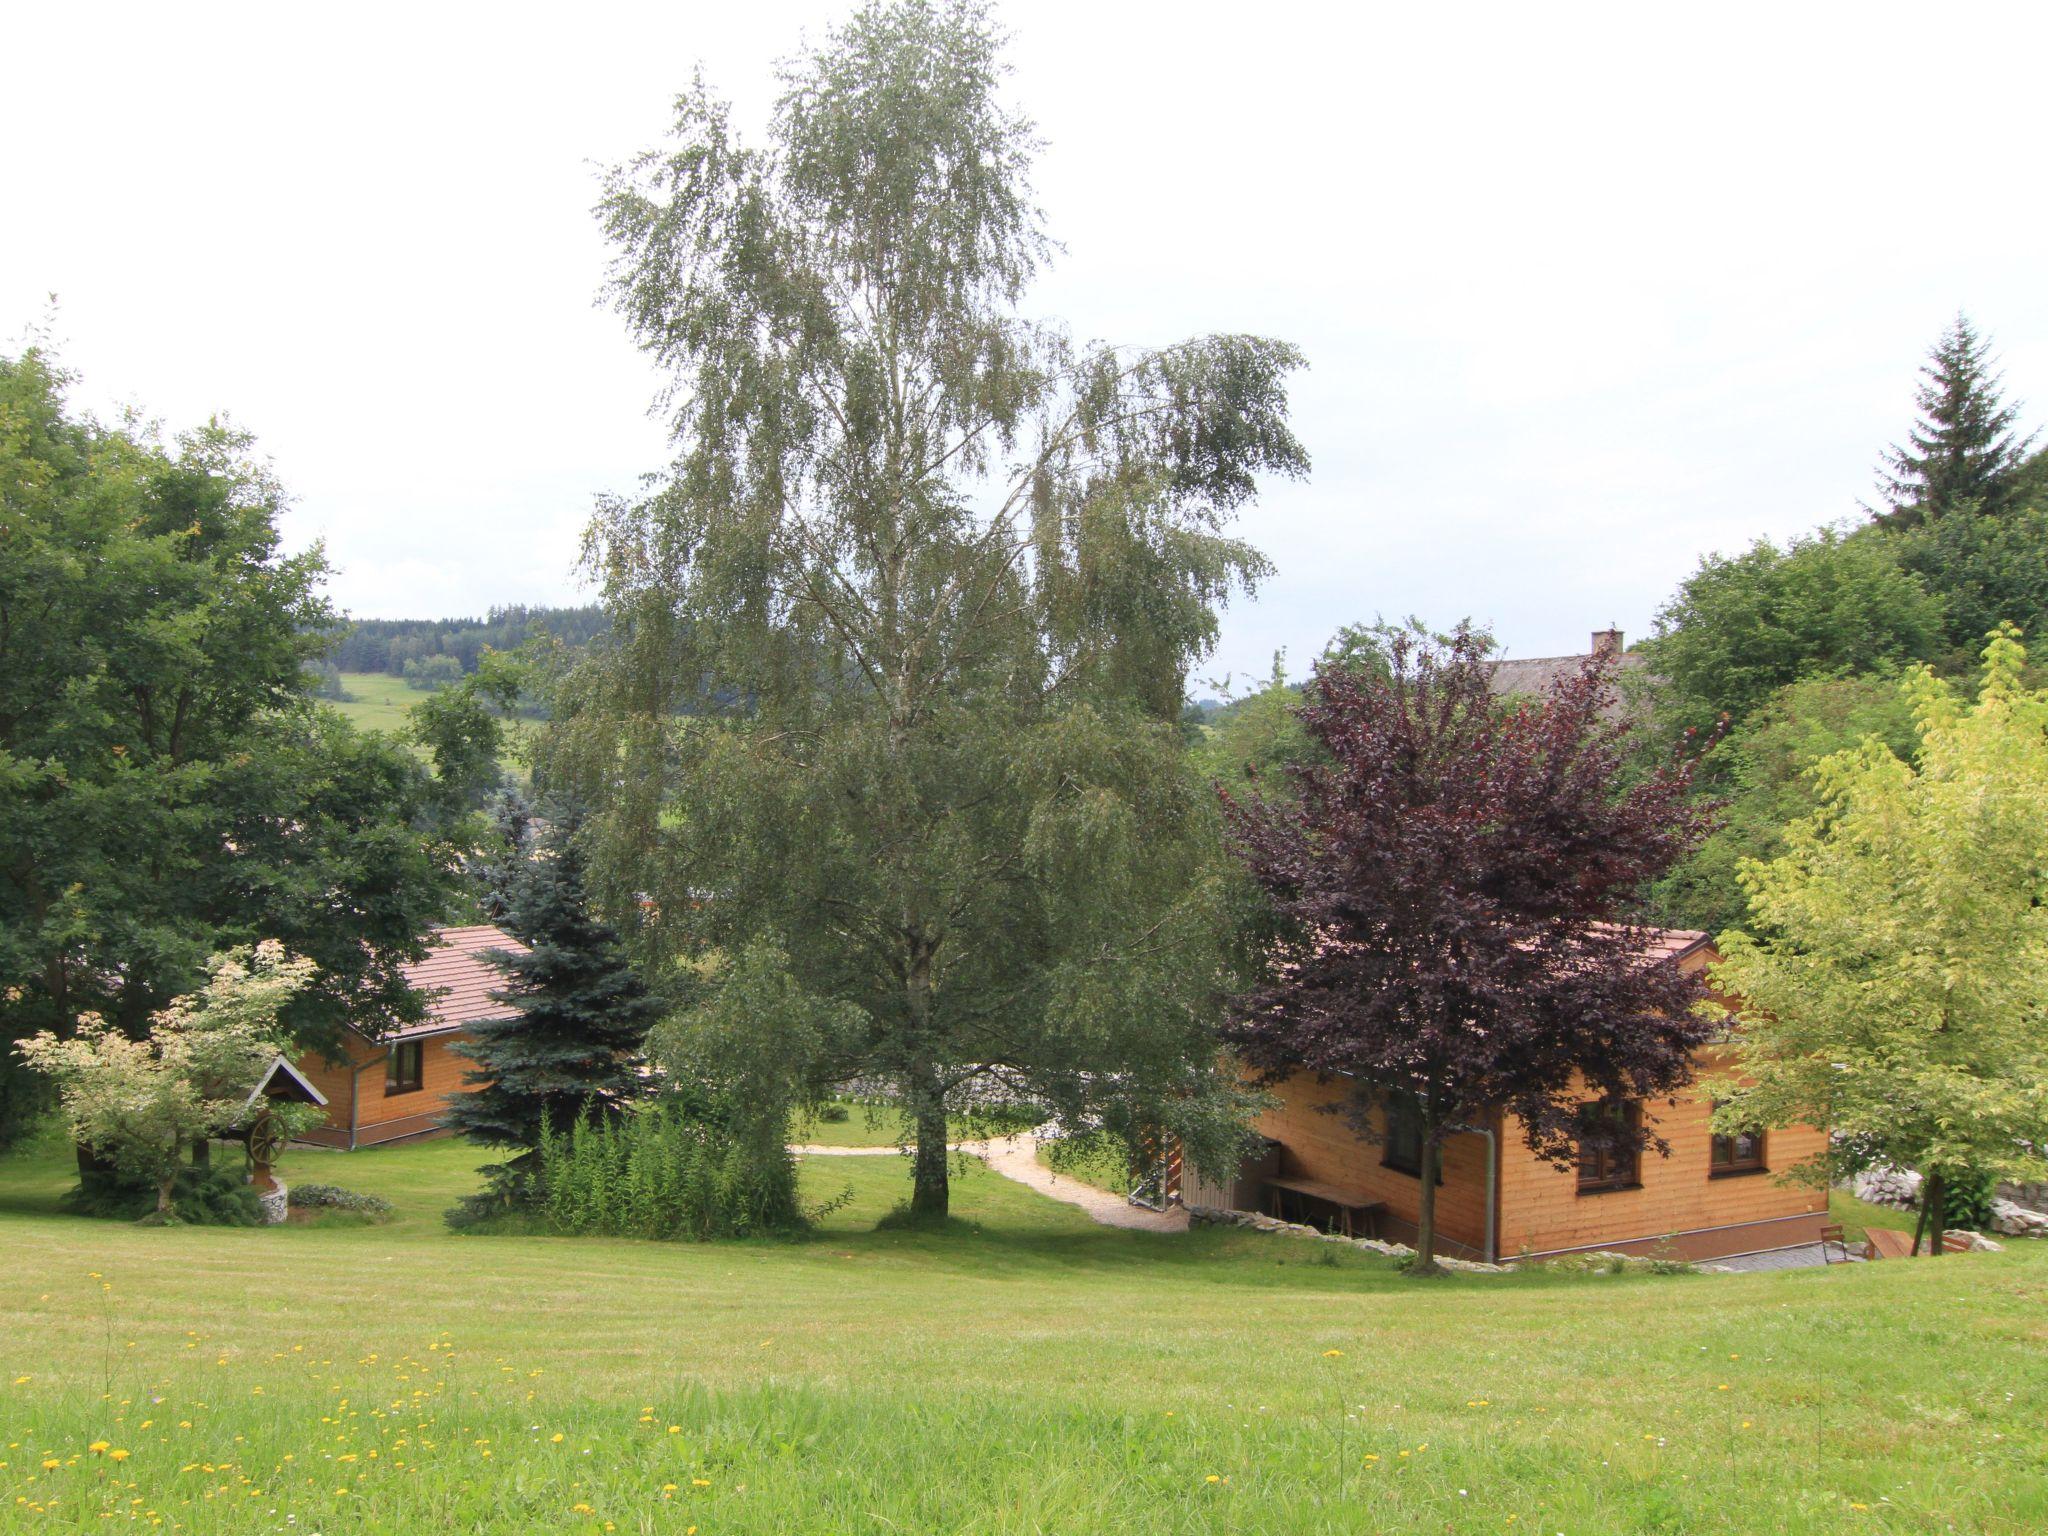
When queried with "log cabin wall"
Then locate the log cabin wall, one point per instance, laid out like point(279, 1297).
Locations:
point(1319, 1144)
point(1680, 1199)
point(358, 1082)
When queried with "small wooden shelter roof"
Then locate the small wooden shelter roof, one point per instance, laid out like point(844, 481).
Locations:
point(282, 1080)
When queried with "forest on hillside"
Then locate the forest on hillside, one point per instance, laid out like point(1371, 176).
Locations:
point(426, 649)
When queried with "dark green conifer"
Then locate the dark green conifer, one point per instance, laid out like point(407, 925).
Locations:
point(1963, 449)
point(573, 1047)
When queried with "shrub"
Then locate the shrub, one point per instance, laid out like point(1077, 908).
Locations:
point(659, 1172)
point(1966, 1202)
point(204, 1197)
point(334, 1197)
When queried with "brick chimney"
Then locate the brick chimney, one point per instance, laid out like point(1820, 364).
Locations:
point(1607, 642)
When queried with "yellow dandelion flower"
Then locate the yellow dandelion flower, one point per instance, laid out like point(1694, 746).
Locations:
point(1212, 1478)
point(675, 1429)
point(117, 1455)
point(700, 1482)
point(1333, 1354)
point(98, 1445)
point(555, 1438)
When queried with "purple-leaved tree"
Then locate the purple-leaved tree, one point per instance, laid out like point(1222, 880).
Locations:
point(1452, 889)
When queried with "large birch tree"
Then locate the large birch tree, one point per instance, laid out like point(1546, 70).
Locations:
point(900, 640)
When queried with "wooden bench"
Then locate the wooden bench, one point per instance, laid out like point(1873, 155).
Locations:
point(1355, 1208)
point(1890, 1243)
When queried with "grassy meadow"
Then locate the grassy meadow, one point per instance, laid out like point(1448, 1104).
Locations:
point(1024, 1371)
point(377, 701)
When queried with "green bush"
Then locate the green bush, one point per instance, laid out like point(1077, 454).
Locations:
point(1966, 1203)
point(660, 1172)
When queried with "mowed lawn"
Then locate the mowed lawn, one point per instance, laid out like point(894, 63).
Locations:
point(1023, 1372)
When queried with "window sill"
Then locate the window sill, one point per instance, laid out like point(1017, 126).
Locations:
point(1413, 1173)
point(1735, 1173)
point(399, 1093)
point(1608, 1189)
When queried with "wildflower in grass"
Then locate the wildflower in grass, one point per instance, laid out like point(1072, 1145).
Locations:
point(1212, 1478)
point(581, 1509)
point(117, 1454)
point(700, 1482)
point(1333, 1354)
point(556, 1438)
point(97, 1446)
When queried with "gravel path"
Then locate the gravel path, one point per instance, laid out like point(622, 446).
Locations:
point(1016, 1157)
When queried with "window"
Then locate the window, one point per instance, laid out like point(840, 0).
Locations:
point(1403, 1149)
point(402, 1068)
point(1603, 1165)
point(1741, 1153)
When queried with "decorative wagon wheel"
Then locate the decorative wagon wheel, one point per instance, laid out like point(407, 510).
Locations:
point(266, 1141)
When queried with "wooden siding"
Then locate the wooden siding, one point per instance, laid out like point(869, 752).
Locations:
point(1318, 1144)
point(1542, 1210)
point(380, 1116)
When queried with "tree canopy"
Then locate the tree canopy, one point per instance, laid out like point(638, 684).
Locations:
point(168, 787)
point(1743, 626)
point(1892, 983)
point(899, 643)
point(1452, 887)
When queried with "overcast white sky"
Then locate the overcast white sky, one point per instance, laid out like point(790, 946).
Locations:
point(1586, 292)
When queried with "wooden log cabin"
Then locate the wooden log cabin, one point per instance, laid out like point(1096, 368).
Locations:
point(1713, 1197)
point(397, 1087)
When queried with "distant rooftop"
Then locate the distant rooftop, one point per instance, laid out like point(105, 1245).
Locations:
point(1537, 674)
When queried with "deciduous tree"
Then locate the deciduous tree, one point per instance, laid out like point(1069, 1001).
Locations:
point(1743, 626)
point(1451, 889)
point(168, 787)
point(1896, 984)
point(140, 1102)
point(900, 644)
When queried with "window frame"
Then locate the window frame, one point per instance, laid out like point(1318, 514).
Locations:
point(1606, 1170)
point(1403, 1107)
point(395, 1082)
point(1732, 1167)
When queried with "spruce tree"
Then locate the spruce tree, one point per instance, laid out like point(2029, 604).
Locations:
point(1963, 449)
point(496, 871)
point(573, 1046)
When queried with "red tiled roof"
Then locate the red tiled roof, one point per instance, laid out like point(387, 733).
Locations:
point(458, 980)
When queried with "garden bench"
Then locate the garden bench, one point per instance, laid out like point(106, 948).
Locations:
point(1355, 1207)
